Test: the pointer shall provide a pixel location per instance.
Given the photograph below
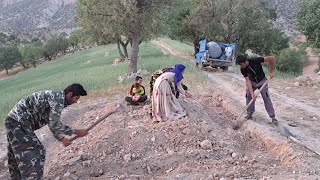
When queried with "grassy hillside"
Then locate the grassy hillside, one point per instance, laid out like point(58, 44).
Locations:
point(90, 68)
point(180, 47)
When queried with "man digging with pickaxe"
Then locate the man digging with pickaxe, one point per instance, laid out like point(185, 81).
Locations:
point(26, 154)
point(255, 78)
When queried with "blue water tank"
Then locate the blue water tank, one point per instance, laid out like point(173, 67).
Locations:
point(214, 50)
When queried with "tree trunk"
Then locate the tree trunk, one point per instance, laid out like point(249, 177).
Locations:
point(7, 72)
point(119, 50)
point(125, 49)
point(136, 35)
point(195, 45)
point(227, 37)
point(23, 65)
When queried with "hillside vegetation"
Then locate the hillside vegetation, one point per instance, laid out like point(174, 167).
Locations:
point(34, 16)
point(31, 14)
point(287, 15)
point(90, 67)
point(129, 145)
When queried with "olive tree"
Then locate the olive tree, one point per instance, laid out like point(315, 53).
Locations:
point(122, 22)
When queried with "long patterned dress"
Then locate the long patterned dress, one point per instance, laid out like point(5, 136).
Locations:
point(165, 105)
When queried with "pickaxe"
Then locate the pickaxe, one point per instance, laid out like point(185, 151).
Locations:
point(238, 123)
point(98, 121)
point(289, 135)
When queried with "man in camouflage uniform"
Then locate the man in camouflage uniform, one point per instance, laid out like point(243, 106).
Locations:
point(26, 154)
point(153, 79)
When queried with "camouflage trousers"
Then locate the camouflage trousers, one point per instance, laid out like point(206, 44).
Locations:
point(26, 154)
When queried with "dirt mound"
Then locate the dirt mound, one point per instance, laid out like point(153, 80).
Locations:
point(127, 145)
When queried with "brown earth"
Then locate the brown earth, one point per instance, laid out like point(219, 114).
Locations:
point(312, 65)
point(11, 72)
point(128, 145)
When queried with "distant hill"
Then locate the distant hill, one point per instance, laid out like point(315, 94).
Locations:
point(287, 11)
point(34, 14)
point(23, 17)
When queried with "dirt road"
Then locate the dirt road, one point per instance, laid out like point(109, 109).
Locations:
point(312, 64)
point(297, 106)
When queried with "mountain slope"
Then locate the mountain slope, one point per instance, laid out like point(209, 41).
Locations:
point(32, 14)
point(287, 15)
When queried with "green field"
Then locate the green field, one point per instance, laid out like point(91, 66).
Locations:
point(91, 69)
point(181, 47)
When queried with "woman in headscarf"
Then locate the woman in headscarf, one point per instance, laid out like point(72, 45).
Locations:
point(165, 105)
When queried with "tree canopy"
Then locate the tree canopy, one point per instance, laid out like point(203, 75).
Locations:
point(309, 20)
point(245, 22)
point(54, 46)
point(8, 39)
point(9, 56)
point(31, 53)
point(122, 22)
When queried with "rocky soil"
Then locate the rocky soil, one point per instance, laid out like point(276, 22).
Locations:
point(129, 145)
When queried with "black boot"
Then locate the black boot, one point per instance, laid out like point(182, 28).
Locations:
point(274, 121)
point(247, 117)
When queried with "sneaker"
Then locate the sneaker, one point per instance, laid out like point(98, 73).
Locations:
point(247, 117)
point(274, 121)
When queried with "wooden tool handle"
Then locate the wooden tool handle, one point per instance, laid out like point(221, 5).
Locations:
point(264, 84)
point(304, 145)
point(97, 122)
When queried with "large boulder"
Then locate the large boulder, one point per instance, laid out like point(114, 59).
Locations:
point(117, 61)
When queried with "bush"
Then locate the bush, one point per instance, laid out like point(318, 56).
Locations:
point(31, 53)
point(54, 46)
point(290, 61)
point(316, 51)
point(302, 51)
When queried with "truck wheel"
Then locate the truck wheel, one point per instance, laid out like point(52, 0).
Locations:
point(224, 69)
point(202, 66)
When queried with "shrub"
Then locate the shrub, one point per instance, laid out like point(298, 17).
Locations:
point(302, 51)
point(290, 60)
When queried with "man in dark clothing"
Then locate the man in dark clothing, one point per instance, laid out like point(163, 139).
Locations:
point(253, 73)
point(142, 97)
point(26, 154)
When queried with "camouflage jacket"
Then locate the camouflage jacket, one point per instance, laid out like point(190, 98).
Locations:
point(42, 108)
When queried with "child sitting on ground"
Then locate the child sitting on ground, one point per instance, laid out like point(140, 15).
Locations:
point(139, 95)
point(138, 91)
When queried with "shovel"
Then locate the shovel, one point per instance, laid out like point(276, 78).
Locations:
point(239, 123)
point(289, 135)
